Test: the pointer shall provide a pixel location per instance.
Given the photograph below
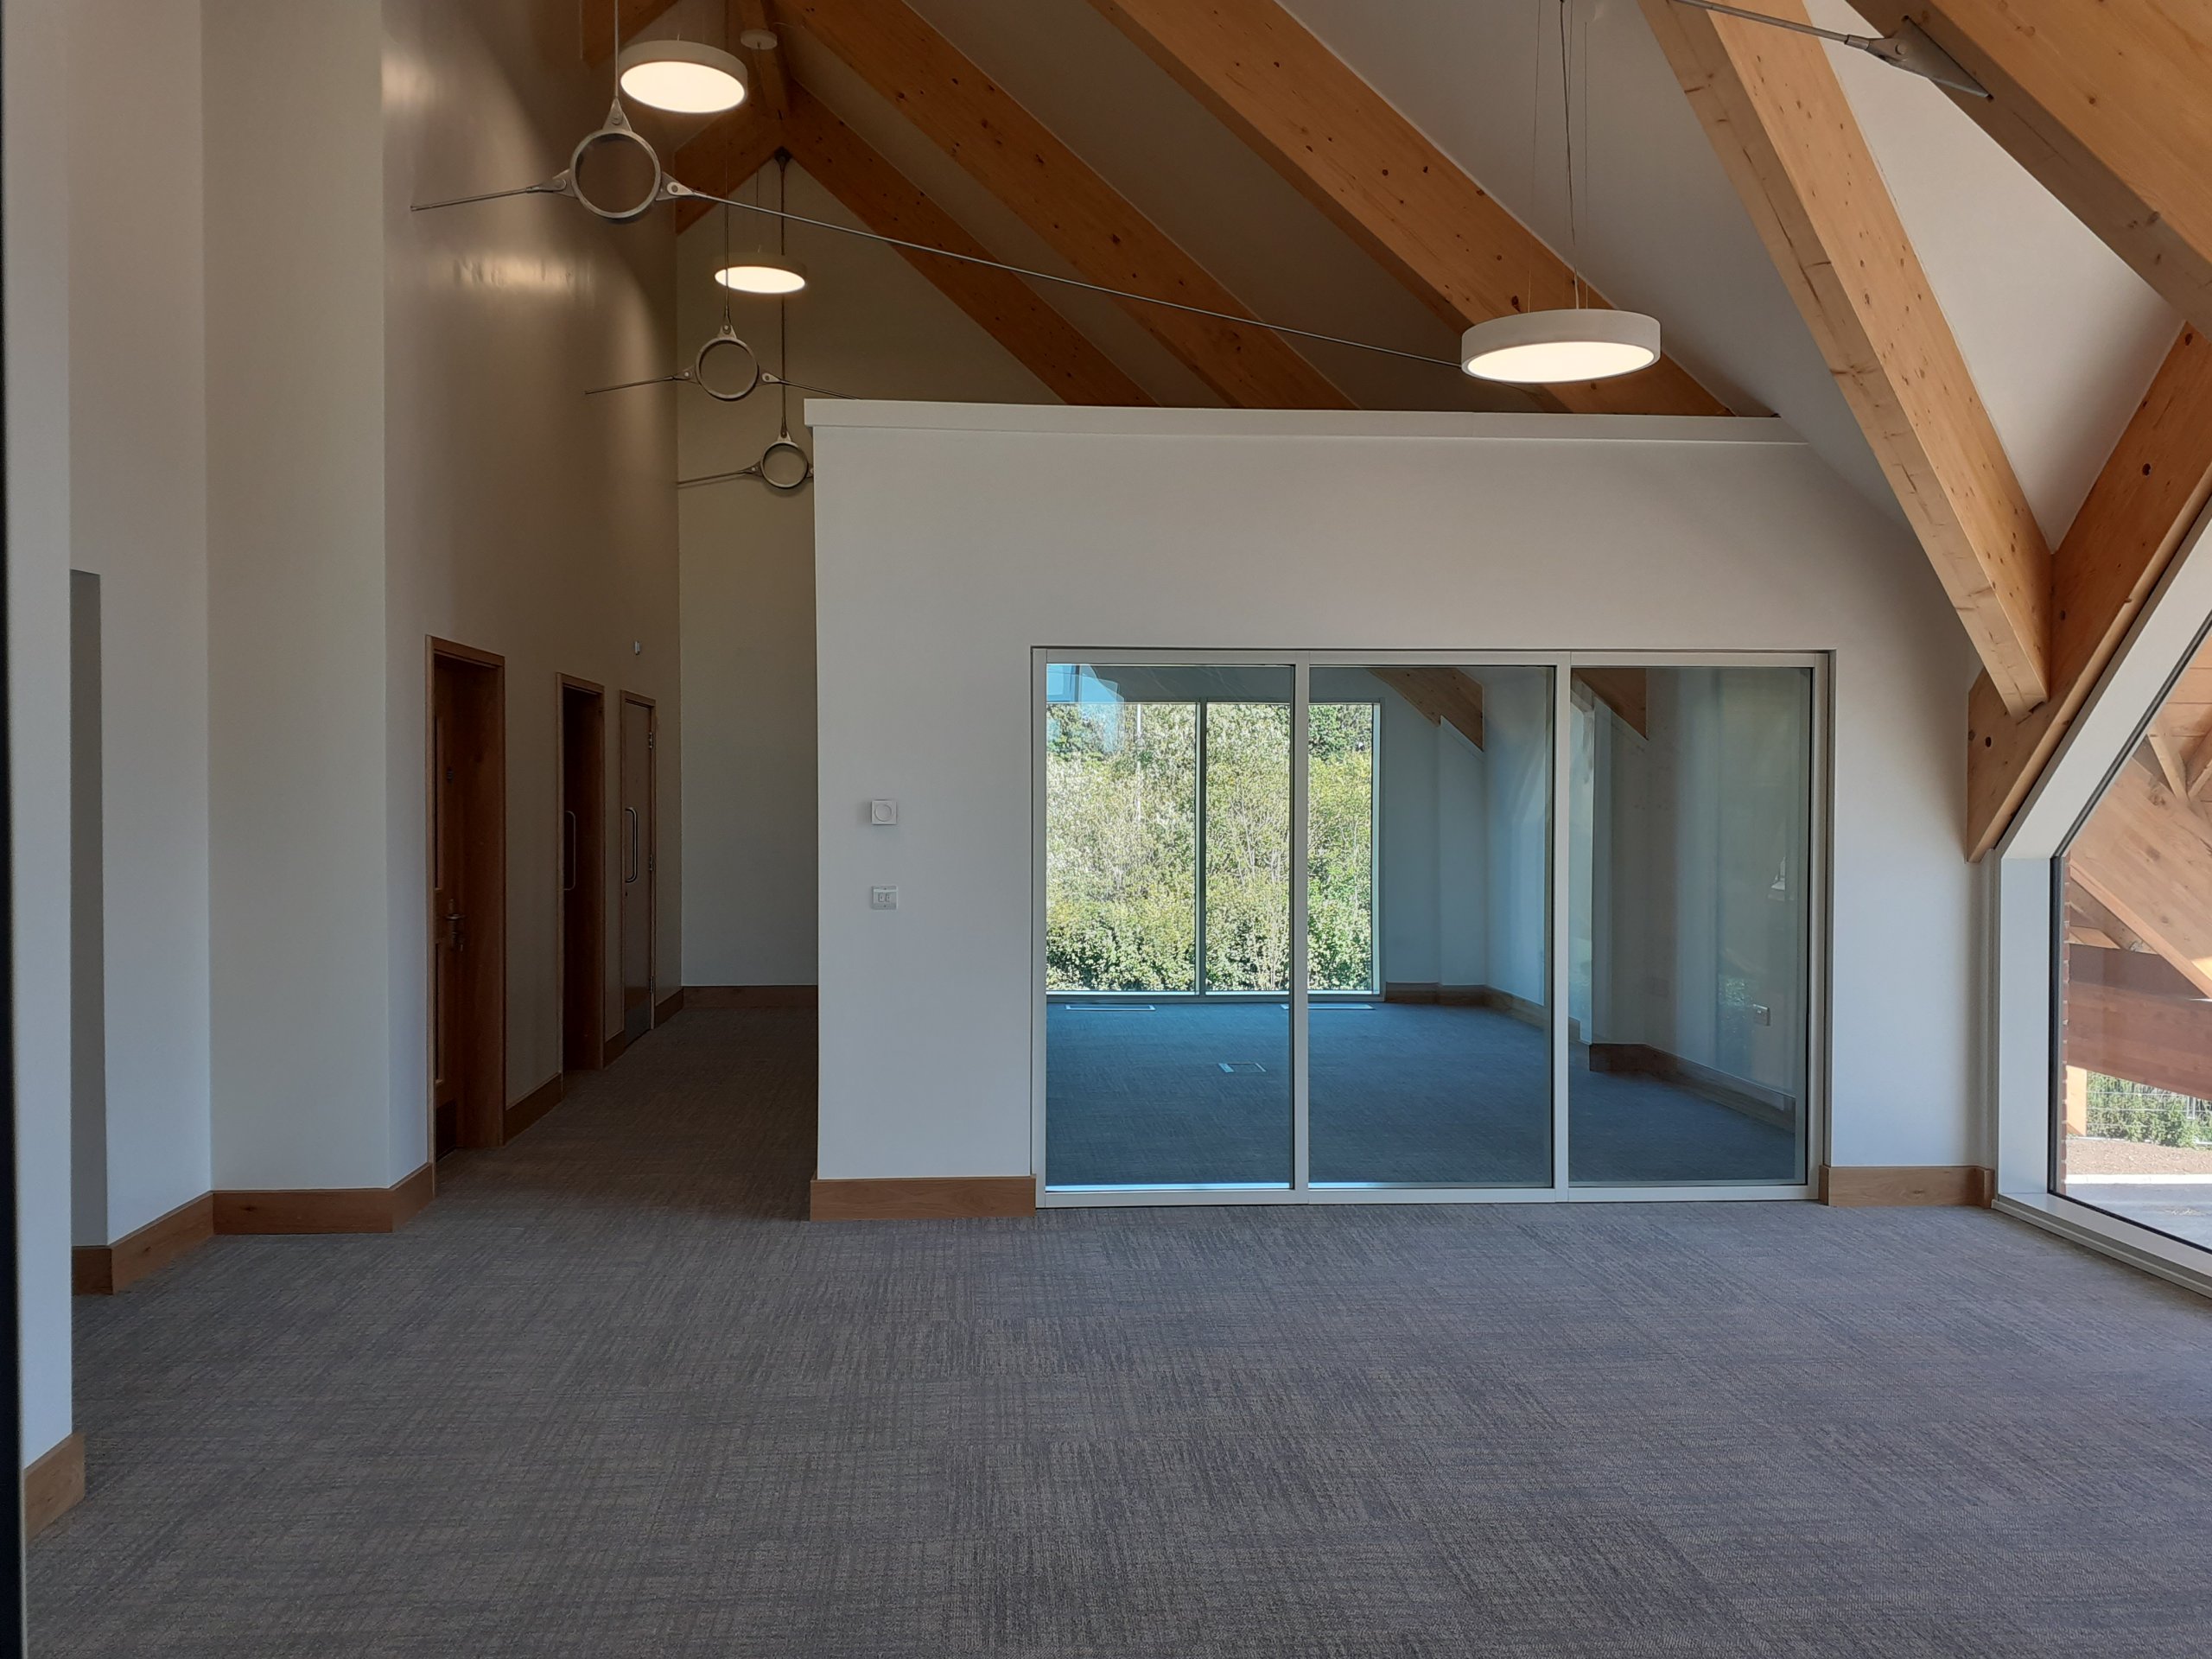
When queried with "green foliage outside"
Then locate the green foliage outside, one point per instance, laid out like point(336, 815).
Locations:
point(1120, 839)
point(2121, 1110)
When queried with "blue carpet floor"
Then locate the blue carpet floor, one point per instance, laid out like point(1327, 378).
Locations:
point(1135, 1096)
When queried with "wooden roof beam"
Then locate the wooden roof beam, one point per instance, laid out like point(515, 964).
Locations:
point(1010, 153)
point(735, 148)
point(1777, 114)
point(1439, 695)
point(2146, 858)
point(2109, 103)
point(2153, 486)
point(1379, 178)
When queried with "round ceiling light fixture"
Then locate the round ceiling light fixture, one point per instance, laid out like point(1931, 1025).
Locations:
point(763, 273)
point(682, 77)
point(1553, 347)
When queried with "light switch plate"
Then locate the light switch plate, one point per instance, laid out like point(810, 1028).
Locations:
point(883, 898)
point(881, 812)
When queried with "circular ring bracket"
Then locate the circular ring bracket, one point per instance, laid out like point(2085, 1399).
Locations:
point(728, 382)
point(617, 131)
point(784, 467)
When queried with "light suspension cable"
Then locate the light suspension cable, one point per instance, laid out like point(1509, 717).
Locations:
point(685, 192)
point(1910, 48)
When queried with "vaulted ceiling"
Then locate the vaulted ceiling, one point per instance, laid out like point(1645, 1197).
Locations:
point(1883, 266)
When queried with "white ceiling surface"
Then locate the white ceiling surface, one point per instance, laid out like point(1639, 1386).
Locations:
point(2061, 337)
point(1203, 186)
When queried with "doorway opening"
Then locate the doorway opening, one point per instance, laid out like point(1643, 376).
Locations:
point(584, 875)
point(640, 718)
point(467, 897)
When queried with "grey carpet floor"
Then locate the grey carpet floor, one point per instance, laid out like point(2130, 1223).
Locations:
point(1402, 1092)
point(608, 1395)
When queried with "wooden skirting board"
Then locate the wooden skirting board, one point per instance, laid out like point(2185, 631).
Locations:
point(668, 1006)
point(103, 1269)
point(751, 996)
point(534, 1105)
point(617, 1046)
point(1755, 1100)
point(1899, 1184)
point(326, 1210)
point(923, 1198)
point(53, 1485)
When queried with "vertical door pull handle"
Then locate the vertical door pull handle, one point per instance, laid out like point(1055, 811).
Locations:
point(567, 852)
point(631, 813)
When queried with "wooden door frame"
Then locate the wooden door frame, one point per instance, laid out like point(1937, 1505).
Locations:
point(565, 684)
point(651, 871)
point(483, 1120)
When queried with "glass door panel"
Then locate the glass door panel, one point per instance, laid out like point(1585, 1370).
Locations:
point(1429, 814)
point(1167, 926)
point(1689, 939)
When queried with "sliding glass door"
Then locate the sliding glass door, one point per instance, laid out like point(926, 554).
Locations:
point(1324, 928)
point(1167, 926)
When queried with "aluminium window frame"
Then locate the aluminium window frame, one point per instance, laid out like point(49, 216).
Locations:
point(1562, 1189)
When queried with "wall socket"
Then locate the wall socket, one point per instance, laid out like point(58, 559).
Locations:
point(883, 898)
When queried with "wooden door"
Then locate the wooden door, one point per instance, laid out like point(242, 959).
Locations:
point(584, 875)
point(468, 898)
point(635, 850)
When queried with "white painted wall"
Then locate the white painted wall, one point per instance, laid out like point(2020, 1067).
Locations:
point(34, 46)
point(299, 945)
point(138, 425)
point(870, 325)
point(520, 516)
point(951, 541)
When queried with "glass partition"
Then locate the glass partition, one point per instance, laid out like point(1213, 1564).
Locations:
point(1167, 852)
point(1690, 934)
point(1429, 801)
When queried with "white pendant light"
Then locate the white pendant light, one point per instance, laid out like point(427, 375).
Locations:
point(763, 273)
point(1559, 348)
point(684, 77)
point(1546, 347)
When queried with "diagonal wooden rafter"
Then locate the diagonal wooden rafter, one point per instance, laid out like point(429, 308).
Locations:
point(1777, 114)
point(1044, 342)
point(1440, 694)
point(2146, 858)
point(1087, 222)
point(771, 81)
point(1379, 178)
point(2149, 494)
point(2109, 103)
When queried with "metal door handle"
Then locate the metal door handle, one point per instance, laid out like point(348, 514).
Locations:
point(631, 813)
point(567, 852)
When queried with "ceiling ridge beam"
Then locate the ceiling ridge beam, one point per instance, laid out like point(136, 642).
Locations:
point(1085, 221)
point(2108, 105)
point(1382, 179)
point(2148, 495)
point(1042, 340)
point(1777, 117)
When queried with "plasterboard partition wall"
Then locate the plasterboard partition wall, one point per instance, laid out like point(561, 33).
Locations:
point(953, 540)
point(137, 420)
point(302, 909)
point(869, 323)
point(551, 542)
point(33, 42)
